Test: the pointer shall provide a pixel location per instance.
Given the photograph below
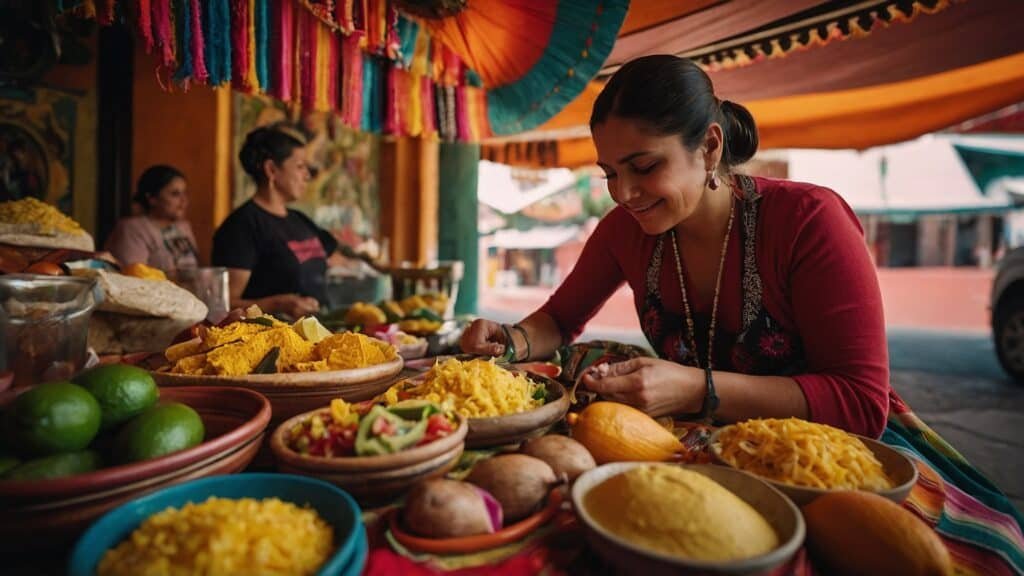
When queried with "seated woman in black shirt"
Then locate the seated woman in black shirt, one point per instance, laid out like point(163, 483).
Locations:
point(276, 257)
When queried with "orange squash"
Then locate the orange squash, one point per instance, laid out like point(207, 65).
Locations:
point(140, 270)
point(855, 533)
point(614, 432)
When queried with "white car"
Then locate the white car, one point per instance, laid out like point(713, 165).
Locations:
point(1008, 313)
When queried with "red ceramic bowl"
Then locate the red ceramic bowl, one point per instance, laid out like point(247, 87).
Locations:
point(42, 513)
point(470, 544)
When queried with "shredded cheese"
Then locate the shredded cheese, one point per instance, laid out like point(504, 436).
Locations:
point(801, 453)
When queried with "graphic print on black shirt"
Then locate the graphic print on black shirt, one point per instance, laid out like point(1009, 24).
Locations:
point(286, 254)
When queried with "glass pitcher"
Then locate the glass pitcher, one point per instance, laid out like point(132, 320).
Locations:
point(45, 324)
point(209, 285)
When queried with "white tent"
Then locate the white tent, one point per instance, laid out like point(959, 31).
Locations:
point(498, 188)
point(537, 238)
point(925, 175)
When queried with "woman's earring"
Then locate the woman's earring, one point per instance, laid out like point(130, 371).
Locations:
point(712, 180)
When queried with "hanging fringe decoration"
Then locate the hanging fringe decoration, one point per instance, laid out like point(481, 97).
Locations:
point(145, 25)
point(283, 56)
point(198, 44)
point(218, 43)
point(323, 68)
point(380, 71)
point(105, 15)
point(263, 44)
point(184, 33)
point(352, 82)
point(86, 10)
point(251, 76)
point(334, 72)
point(164, 37)
point(239, 33)
point(305, 41)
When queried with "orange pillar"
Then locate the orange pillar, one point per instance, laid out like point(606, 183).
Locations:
point(409, 198)
point(190, 130)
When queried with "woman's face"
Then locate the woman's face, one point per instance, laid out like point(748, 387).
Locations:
point(654, 177)
point(291, 176)
point(172, 201)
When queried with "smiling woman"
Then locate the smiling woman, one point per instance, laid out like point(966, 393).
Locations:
point(758, 295)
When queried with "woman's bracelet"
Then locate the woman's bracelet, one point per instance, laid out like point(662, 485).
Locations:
point(526, 339)
point(710, 404)
point(510, 345)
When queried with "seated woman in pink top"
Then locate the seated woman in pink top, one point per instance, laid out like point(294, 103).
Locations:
point(161, 236)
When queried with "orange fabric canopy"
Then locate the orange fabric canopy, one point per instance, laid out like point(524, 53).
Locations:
point(855, 118)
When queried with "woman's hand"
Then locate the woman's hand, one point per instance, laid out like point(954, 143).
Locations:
point(293, 305)
point(483, 337)
point(657, 387)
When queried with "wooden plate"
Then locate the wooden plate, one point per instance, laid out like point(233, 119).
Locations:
point(359, 464)
point(898, 467)
point(289, 380)
point(514, 428)
point(48, 513)
point(231, 416)
point(476, 543)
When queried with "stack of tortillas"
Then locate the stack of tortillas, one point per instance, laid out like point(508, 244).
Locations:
point(139, 315)
point(30, 222)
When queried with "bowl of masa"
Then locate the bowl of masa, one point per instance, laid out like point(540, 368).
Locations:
point(658, 518)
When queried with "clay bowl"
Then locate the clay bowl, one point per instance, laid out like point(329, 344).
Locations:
point(370, 478)
point(514, 428)
point(294, 393)
point(900, 469)
point(413, 351)
point(43, 513)
point(380, 486)
point(479, 542)
point(631, 558)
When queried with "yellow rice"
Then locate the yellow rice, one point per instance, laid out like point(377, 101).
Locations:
point(475, 389)
point(223, 536)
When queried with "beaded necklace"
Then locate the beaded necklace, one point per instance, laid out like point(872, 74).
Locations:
point(690, 331)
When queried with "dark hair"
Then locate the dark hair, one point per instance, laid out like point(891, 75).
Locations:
point(152, 181)
point(674, 96)
point(275, 142)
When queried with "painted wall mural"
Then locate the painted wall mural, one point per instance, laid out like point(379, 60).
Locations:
point(37, 137)
point(343, 195)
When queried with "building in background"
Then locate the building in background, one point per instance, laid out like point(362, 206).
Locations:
point(940, 200)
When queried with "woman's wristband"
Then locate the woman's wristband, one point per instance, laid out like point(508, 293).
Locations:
point(510, 345)
point(710, 405)
point(526, 340)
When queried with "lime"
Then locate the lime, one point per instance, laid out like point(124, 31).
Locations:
point(123, 391)
point(56, 466)
point(51, 418)
point(158, 431)
point(311, 329)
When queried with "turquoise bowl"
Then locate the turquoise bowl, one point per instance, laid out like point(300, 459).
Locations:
point(334, 505)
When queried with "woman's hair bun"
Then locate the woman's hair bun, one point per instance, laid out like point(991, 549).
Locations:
point(740, 133)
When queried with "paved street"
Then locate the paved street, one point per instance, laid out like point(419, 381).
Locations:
point(956, 386)
point(952, 380)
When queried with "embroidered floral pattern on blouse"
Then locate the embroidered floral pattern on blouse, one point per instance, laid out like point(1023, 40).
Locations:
point(763, 345)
